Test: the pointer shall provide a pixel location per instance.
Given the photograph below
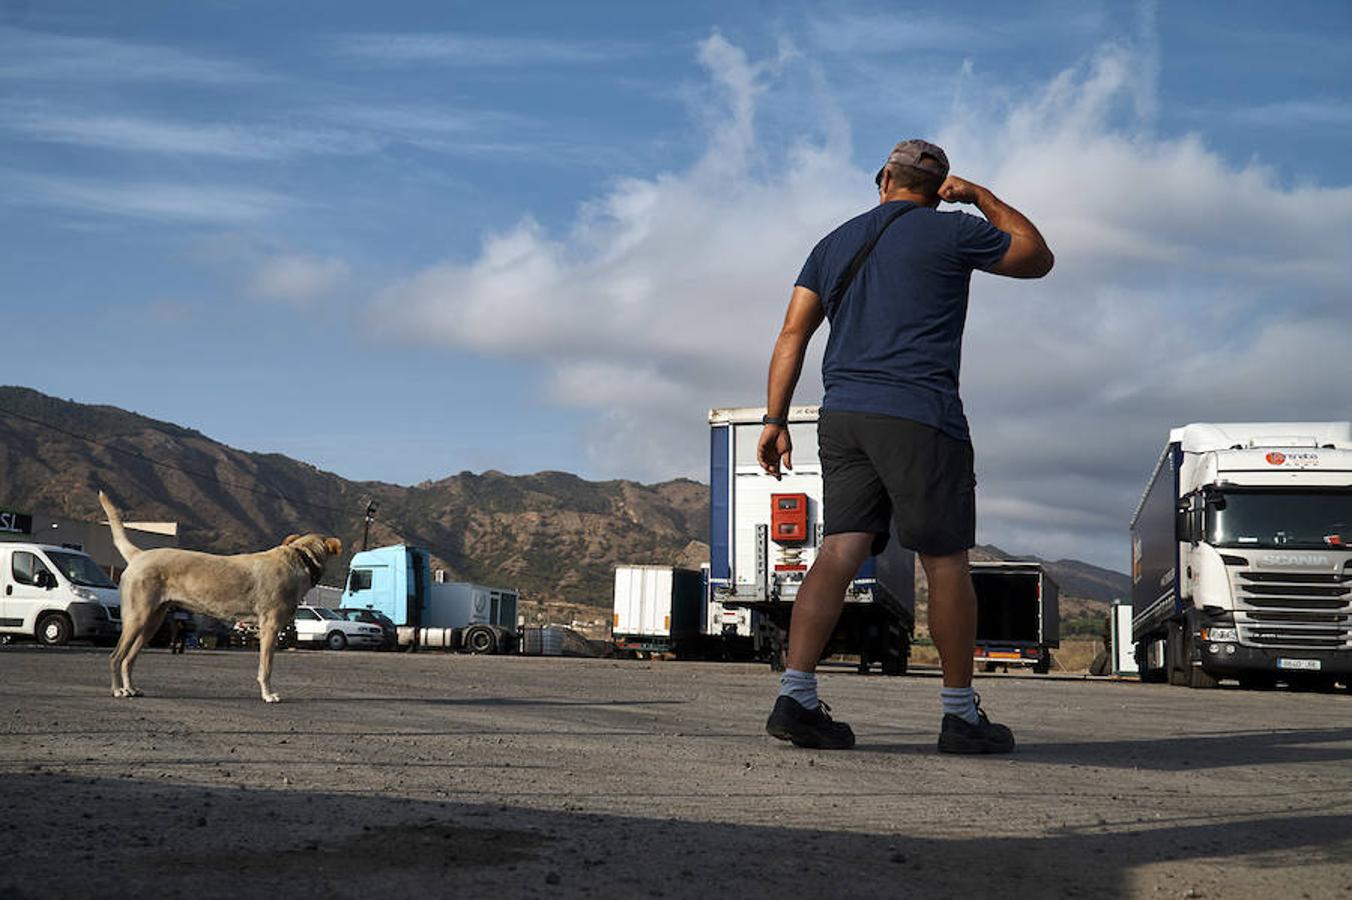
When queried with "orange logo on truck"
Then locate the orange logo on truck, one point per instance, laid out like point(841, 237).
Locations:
point(1275, 458)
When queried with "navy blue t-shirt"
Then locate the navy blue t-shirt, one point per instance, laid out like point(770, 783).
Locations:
point(896, 336)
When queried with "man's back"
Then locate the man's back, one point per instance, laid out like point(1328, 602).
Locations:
point(896, 336)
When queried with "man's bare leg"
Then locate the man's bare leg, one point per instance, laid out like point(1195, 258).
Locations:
point(821, 596)
point(952, 615)
point(952, 620)
point(798, 716)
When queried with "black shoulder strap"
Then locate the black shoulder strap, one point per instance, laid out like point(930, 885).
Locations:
point(837, 294)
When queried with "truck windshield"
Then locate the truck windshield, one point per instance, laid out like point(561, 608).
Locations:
point(1280, 519)
point(80, 569)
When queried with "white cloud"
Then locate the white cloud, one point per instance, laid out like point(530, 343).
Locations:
point(297, 279)
point(38, 56)
point(1185, 289)
point(455, 49)
point(163, 201)
point(155, 135)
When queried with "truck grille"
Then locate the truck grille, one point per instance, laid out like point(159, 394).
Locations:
point(1299, 610)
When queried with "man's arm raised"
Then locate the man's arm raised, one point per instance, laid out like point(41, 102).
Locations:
point(1028, 255)
point(804, 317)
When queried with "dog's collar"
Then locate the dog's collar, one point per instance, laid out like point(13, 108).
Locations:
point(314, 567)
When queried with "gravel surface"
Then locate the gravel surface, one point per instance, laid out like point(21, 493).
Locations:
point(504, 776)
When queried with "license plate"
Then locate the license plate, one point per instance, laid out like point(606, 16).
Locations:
point(1310, 665)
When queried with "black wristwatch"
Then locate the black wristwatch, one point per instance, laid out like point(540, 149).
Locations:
point(781, 421)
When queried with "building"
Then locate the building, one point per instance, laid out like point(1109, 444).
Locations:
point(94, 538)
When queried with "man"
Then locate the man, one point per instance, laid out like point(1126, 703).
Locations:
point(893, 439)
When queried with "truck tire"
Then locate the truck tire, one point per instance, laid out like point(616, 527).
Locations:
point(336, 640)
point(481, 639)
point(1043, 664)
point(53, 630)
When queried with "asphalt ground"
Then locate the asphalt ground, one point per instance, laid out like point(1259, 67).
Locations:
point(509, 776)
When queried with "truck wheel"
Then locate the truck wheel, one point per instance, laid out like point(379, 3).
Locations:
point(481, 640)
point(53, 629)
point(1043, 664)
point(336, 641)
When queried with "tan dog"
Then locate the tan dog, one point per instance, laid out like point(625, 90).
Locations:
point(265, 586)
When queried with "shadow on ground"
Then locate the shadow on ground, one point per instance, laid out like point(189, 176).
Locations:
point(74, 836)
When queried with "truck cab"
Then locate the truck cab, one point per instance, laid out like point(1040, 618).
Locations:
point(1242, 556)
point(56, 595)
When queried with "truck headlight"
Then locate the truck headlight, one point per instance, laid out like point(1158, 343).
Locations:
point(85, 594)
point(1220, 634)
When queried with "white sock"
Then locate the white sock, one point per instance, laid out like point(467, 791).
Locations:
point(960, 702)
point(801, 686)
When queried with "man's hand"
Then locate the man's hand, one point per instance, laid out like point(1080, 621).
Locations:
point(775, 448)
point(959, 190)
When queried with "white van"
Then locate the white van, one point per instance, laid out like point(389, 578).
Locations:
point(56, 595)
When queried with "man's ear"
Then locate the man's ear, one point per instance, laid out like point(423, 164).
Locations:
point(333, 545)
point(289, 538)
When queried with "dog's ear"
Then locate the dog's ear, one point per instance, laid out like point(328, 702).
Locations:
point(289, 538)
point(333, 545)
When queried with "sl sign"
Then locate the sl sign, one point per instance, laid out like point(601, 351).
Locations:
point(15, 523)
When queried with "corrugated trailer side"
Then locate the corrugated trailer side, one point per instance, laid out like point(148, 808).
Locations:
point(1154, 555)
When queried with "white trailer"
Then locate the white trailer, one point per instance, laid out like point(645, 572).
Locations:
point(1241, 552)
point(1120, 645)
point(658, 609)
point(764, 534)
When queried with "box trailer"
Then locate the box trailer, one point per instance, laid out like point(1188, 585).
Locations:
point(658, 609)
point(1018, 615)
point(1241, 556)
point(764, 534)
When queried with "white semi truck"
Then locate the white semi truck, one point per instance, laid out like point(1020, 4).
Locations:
point(1241, 552)
point(764, 534)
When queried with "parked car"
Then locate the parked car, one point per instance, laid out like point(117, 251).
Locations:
point(321, 626)
point(389, 630)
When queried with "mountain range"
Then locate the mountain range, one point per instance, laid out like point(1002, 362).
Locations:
point(554, 535)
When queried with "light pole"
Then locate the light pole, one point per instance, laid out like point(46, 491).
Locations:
point(370, 515)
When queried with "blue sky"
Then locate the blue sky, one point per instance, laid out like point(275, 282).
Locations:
point(401, 240)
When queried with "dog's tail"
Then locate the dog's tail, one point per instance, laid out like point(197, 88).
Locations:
point(124, 544)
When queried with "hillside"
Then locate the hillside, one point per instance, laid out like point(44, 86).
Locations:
point(554, 535)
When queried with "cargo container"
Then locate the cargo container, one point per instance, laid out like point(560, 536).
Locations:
point(1241, 556)
point(764, 534)
point(659, 609)
point(1018, 615)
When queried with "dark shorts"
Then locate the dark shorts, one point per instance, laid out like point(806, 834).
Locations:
point(882, 472)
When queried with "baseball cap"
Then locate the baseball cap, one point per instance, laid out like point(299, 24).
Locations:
point(917, 154)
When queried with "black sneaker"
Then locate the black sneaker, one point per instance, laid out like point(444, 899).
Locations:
point(957, 735)
point(791, 721)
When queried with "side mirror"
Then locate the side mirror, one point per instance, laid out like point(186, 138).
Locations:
point(45, 580)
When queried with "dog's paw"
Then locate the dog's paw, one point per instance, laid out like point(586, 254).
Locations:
point(119, 692)
point(271, 698)
point(132, 692)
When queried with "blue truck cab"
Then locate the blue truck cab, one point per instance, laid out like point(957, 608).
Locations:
point(392, 580)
